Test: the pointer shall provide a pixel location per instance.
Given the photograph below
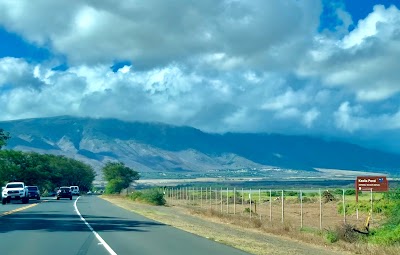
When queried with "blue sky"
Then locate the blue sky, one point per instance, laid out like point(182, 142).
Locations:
point(321, 68)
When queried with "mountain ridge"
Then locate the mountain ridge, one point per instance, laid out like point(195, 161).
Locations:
point(168, 148)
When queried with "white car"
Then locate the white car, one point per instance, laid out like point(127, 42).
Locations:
point(75, 190)
point(15, 191)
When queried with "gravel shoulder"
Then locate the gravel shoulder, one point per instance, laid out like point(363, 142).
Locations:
point(250, 240)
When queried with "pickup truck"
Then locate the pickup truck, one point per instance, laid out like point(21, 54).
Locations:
point(15, 191)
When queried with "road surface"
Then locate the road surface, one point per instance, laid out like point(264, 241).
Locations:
point(52, 226)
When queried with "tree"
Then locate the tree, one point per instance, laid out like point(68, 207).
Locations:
point(4, 136)
point(44, 170)
point(118, 176)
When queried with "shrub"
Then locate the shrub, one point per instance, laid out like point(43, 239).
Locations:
point(154, 196)
point(384, 206)
point(247, 210)
point(135, 195)
point(291, 193)
point(114, 186)
point(332, 236)
point(346, 233)
point(389, 233)
point(151, 196)
point(327, 196)
point(351, 192)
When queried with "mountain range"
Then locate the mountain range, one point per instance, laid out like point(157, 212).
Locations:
point(160, 147)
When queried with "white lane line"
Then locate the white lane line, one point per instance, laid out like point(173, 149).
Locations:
point(108, 248)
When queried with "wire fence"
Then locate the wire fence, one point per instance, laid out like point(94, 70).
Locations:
point(320, 209)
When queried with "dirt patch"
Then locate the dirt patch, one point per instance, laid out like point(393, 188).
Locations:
point(248, 235)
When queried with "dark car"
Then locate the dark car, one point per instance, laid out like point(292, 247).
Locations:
point(64, 192)
point(34, 192)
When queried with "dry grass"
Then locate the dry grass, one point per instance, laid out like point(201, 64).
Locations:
point(259, 235)
point(348, 238)
point(251, 235)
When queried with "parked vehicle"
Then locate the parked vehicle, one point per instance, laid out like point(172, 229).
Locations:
point(64, 192)
point(15, 191)
point(75, 190)
point(33, 192)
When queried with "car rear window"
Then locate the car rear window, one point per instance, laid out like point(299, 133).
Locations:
point(65, 189)
point(32, 188)
point(11, 186)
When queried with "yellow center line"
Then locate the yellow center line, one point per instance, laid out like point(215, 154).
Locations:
point(18, 210)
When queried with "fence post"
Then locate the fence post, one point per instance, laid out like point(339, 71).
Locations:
point(344, 208)
point(259, 201)
point(234, 201)
point(371, 204)
point(283, 207)
point(216, 198)
point(270, 205)
point(251, 207)
point(201, 196)
point(221, 199)
point(301, 209)
point(227, 200)
point(357, 210)
point(242, 201)
point(210, 199)
point(320, 209)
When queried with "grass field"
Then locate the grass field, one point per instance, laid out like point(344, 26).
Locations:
point(311, 211)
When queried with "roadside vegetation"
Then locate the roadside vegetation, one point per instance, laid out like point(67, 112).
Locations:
point(149, 196)
point(383, 237)
point(43, 170)
point(4, 136)
point(118, 177)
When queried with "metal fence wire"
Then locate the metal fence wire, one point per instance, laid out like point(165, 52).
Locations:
point(299, 208)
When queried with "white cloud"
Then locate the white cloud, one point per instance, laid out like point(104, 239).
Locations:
point(310, 116)
point(215, 65)
point(154, 33)
point(380, 21)
point(365, 61)
point(354, 118)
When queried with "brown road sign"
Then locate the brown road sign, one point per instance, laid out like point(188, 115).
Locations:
point(376, 183)
point(371, 183)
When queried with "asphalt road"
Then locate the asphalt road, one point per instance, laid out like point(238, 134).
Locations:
point(52, 226)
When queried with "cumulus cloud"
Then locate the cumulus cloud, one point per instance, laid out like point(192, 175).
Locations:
point(251, 66)
point(365, 61)
point(158, 33)
point(353, 118)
